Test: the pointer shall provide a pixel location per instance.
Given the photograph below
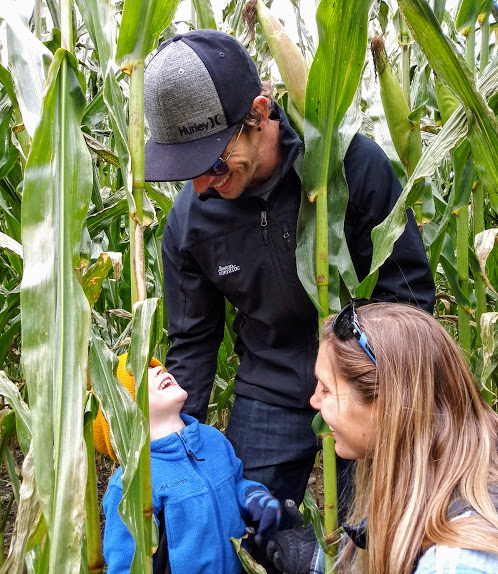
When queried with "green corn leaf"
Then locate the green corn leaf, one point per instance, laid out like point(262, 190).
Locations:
point(7, 337)
point(446, 100)
point(128, 426)
point(7, 425)
point(23, 414)
point(29, 61)
point(99, 19)
point(118, 406)
point(466, 17)
point(332, 83)
point(128, 434)
point(94, 277)
point(312, 515)
point(27, 512)
point(103, 152)
point(250, 565)
point(11, 467)
point(205, 15)
point(8, 151)
point(101, 220)
point(485, 9)
point(164, 203)
point(8, 84)
point(136, 505)
point(450, 67)
point(436, 245)
point(486, 249)
point(489, 335)
point(465, 174)
point(141, 24)
point(95, 110)
point(449, 263)
point(12, 245)
point(57, 190)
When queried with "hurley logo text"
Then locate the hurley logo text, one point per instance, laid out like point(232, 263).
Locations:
point(194, 128)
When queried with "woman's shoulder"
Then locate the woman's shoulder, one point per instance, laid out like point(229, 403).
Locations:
point(450, 560)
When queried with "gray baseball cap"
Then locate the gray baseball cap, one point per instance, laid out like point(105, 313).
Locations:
point(197, 88)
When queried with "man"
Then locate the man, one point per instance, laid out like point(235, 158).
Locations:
point(232, 233)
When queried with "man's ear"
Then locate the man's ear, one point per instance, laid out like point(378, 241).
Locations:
point(260, 104)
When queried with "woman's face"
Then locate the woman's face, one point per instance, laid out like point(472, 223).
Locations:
point(353, 424)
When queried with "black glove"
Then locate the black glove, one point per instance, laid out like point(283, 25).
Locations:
point(292, 550)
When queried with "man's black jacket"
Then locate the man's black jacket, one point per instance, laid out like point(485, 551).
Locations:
point(244, 249)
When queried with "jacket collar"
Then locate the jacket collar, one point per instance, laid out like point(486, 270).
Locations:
point(174, 446)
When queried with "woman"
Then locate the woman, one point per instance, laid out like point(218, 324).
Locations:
point(399, 397)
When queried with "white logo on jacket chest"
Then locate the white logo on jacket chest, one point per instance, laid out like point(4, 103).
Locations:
point(227, 269)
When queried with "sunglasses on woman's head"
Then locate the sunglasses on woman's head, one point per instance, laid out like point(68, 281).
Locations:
point(346, 324)
point(220, 167)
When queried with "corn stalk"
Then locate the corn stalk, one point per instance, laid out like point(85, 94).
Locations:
point(332, 83)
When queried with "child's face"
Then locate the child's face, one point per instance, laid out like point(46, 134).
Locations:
point(165, 394)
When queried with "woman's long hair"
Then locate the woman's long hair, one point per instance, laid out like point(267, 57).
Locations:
point(436, 442)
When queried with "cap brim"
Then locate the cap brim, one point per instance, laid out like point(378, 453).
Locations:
point(179, 162)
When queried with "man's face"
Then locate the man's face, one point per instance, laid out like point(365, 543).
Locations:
point(243, 166)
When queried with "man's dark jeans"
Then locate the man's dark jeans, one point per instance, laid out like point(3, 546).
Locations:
point(277, 447)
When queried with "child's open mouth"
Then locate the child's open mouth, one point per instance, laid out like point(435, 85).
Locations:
point(165, 383)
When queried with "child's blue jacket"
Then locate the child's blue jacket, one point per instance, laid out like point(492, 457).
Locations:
point(197, 480)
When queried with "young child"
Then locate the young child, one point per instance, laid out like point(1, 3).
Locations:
point(197, 488)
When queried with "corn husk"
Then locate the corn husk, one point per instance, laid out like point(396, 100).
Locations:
point(291, 63)
point(446, 100)
point(405, 130)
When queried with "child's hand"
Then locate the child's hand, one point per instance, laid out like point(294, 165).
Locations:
point(263, 507)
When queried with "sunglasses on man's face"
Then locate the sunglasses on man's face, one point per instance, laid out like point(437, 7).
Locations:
point(346, 324)
point(220, 167)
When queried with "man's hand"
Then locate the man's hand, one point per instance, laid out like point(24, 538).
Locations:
point(262, 507)
point(292, 550)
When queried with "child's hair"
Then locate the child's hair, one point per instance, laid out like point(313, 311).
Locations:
point(101, 431)
point(436, 441)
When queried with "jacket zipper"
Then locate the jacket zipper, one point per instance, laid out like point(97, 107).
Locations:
point(264, 226)
point(192, 458)
point(268, 241)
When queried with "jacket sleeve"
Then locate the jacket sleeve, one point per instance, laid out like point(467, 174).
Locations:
point(373, 190)
point(196, 317)
point(241, 483)
point(119, 545)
